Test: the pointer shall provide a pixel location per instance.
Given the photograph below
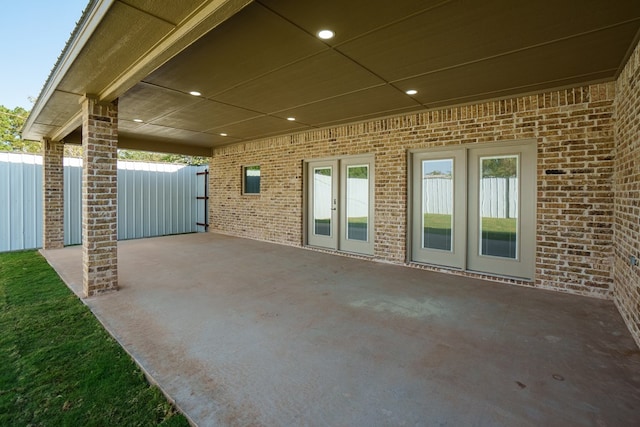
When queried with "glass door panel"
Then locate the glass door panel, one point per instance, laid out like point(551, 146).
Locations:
point(437, 204)
point(502, 210)
point(438, 207)
point(322, 193)
point(499, 206)
point(322, 201)
point(357, 202)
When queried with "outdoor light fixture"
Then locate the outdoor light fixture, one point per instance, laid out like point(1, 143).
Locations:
point(195, 93)
point(137, 120)
point(411, 92)
point(291, 119)
point(223, 134)
point(326, 34)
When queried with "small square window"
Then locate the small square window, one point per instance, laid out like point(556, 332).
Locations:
point(251, 180)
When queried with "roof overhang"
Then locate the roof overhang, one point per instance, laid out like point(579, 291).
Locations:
point(259, 63)
point(114, 46)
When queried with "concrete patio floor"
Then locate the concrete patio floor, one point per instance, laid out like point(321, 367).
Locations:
point(240, 332)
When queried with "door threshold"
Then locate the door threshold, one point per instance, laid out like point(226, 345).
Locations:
point(472, 273)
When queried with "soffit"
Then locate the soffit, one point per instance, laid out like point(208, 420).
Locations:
point(124, 35)
point(527, 70)
point(382, 100)
point(172, 12)
point(116, 44)
point(254, 42)
point(330, 74)
point(457, 33)
point(267, 60)
point(265, 63)
point(167, 134)
point(258, 127)
point(205, 115)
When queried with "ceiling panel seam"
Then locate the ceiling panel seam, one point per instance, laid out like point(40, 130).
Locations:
point(514, 51)
point(229, 124)
point(198, 101)
point(373, 30)
point(273, 70)
point(174, 24)
point(161, 116)
point(627, 55)
point(569, 82)
point(331, 97)
point(127, 134)
point(344, 55)
point(393, 112)
point(209, 99)
point(164, 49)
point(208, 131)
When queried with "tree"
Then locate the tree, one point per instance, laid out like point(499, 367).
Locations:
point(11, 122)
point(500, 167)
point(146, 156)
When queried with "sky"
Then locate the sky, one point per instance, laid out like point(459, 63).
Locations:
point(33, 34)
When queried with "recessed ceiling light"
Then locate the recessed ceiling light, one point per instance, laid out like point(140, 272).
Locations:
point(137, 120)
point(291, 119)
point(326, 34)
point(223, 134)
point(411, 92)
point(195, 93)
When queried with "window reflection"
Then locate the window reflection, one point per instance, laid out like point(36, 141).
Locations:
point(322, 201)
point(358, 202)
point(499, 206)
point(437, 204)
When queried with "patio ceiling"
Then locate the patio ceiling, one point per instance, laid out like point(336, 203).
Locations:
point(258, 63)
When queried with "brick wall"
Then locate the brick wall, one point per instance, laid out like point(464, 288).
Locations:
point(99, 196)
point(574, 131)
point(627, 192)
point(52, 195)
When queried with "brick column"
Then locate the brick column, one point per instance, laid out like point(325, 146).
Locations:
point(99, 196)
point(52, 194)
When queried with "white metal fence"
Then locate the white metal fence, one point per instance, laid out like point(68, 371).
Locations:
point(154, 199)
point(20, 201)
point(357, 191)
point(499, 196)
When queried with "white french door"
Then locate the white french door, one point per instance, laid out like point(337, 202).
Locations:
point(474, 208)
point(439, 207)
point(340, 204)
point(323, 204)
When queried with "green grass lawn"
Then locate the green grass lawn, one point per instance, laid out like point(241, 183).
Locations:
point(439, 221)
point(499, 225)
point(358, 220)
point(58, 366)
point(491, 225)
